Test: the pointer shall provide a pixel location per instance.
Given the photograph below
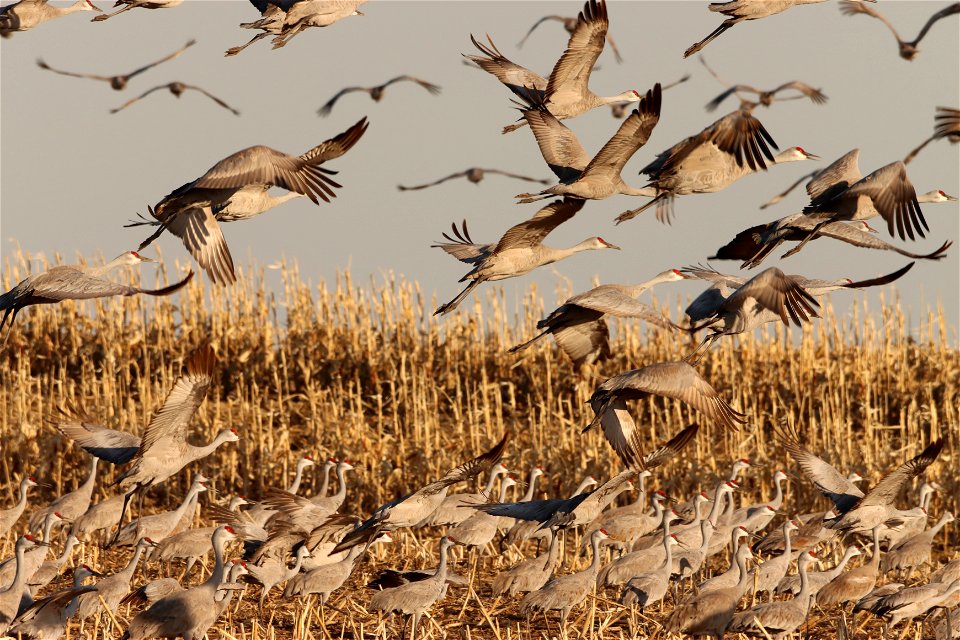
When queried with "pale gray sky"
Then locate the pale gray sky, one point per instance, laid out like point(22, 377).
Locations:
point(72, 174)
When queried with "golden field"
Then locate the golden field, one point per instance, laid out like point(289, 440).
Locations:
point(366, 372)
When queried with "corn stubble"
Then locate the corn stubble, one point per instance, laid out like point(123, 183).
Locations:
point(367, 372)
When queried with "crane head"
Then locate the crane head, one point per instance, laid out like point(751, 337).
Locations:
point(600, 243)
point(86, 5)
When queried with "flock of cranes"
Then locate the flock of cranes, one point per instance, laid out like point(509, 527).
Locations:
point(312, 545)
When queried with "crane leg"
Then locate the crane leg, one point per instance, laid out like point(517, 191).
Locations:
point(105, 16)
point(813, 234)
point(123, 512)
point(232, 51)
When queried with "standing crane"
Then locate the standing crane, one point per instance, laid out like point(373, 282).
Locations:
point(9, 517)
point(76, 282)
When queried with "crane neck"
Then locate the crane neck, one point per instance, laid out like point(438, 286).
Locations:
point(325, 485)
point(48, 523)
point(804, 592)
point(787, 543)
point(295, 569)
point(187, 501)
point(941, 523)
point(342, 489)
point(706, 532)
point(595, 562)
point(667, 552)
point(717, 505)
point(745, 577)
point(67, 550)
point(504, 487)
point(295, 485)
point(837, 570)
point(531, 487)
point(22, 502)
point(219, 568)
point(441, 574)
point(875, 560)
point(19, 577)
point(132, 564)
point(87, 486)
point(626, 96)
point(777, 500)
point(196, 453)
point(491, 480)
point(552, 551)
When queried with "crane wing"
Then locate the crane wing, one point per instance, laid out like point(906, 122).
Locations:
point(531, 233)
point(515, 77)
point(886, 491)
point(946, 124)
point(894, 198)
point(830, 482)
point(583, 339)
point(214, 98)
point(777, 292)
point(571, 74)
point(671, 448)
point(169, 423)
point(468, 469)
point(815, 95)
point(117, 447)
point(559, 146)
point(632, 134)
point(462, 247)
point(432, 88)
point(200, 233)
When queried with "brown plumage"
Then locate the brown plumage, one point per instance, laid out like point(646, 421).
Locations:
point(376, 93)
point(177, 89)
point(118, 82)
point(908, 50)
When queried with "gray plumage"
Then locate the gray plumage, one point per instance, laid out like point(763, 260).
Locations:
point(566, 592)
point(908, 50)
point(114, 588)
point(915, 550)
point(9, 517)
point(177, 89)
point(27, 14)
point(118, 82)
point(778, 620)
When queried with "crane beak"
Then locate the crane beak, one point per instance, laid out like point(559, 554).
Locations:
point(610, 245)
point(950, 198)
point(813, 156)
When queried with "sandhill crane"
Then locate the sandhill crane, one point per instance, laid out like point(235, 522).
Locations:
point(778, 620)
point(915, 550)
point(177, 89)
point(113, 588)
point(46, 619)
point(27, 14)
point(876, 507)
point(11, 595)
point(457, 507)
point(599, 177)
point(578, 325)
point(188, 613)
point(818, 580)
point(133, 4)
point(118, 82)
point(771, 572)
point(766, 98)
point(570, 26)
point(566, 93)
point(76, 282)
point(9, 517)
point(474, 175)
point(743, 305)
point(152, 592)
point(840, 192)
point(158, 526)
point(335, 501)
point(70, 505)
point(842, 491)
point(480, 528)
point(412, 509)
point(99, 517)
point(376, 93)
point(710, 613)
point(191, 545)
point(909, 522)
point(323, 580)
point(163, 450)
point(647, 589)
point(566, 592)
point(738, 11)
point(50, 569)
point(414, 598)
point(583, 508)
point(946, 124)
point(947, 573)
point(530, 529)
point(732, 147)
point(854, 584)
point(908, 50)
point(197, 205)
point(34, 558)
point(628, 523)
point(270, 24)
point(638, 561)
point(676, 380)
point(519, 251)
point(303, 463)
point(753, 245)
point(303, 14)
point(911, 602)
point(272, 572)
point(729, 577)
point(530, 574)
point(756, 517)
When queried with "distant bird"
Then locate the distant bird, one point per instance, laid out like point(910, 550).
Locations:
point(876, 507)
point(76, 282)
point(414, 598)
point(840, 192)
point(9, 517)
point(193, 211)
point(519, 251)
point(599, 177)
point(676, 380)
point(753, 245)
point(579, 327)
point(27, 14)
point(303, 14)
point(566, 93)
point(134, 4)
point(908, 50)
point(177, 89)
point(742, 10)
point(570, 25)
point(474, 175)
point(766, 98)
point(376, 93)
point(413, 508)
point(118, 82)
point(732, 147)
point(946, 124)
